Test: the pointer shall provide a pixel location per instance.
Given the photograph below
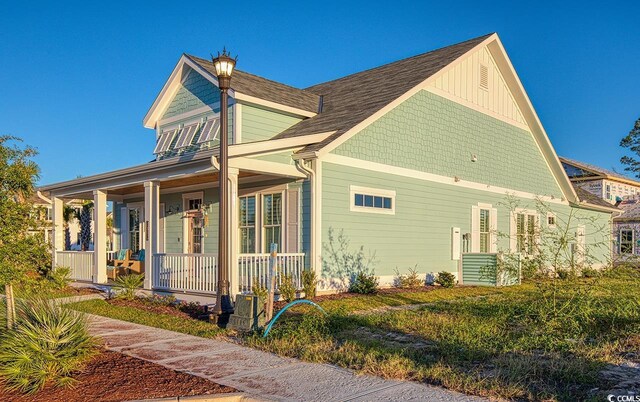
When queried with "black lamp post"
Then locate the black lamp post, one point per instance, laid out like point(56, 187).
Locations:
point(224, 65)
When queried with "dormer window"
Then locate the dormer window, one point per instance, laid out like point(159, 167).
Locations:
point(186, 136)
point(165, 140)
point(210, 131)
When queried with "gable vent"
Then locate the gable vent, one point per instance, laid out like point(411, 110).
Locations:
point(484, 77)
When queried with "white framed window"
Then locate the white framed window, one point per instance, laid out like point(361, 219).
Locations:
point(185, 138)
point(551, 220)
point(210, 130)
point(484, 224)
point(271, 221)
point(626, 245)
point(607, 193)
point(164, 141)
point(525, 231)
point(247, 224)
point(373, 200)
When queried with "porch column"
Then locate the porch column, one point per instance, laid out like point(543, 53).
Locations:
point(57, 229)
point(151, 216)
point(99, 236)
point(234, 277)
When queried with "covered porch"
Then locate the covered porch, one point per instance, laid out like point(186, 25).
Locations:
point(166, 213)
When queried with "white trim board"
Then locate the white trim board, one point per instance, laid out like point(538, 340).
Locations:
point(416, 174)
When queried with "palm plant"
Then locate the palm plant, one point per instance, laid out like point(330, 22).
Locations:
point(128, 285)
point(85, 225)
point(48, 344)
point(68, 213)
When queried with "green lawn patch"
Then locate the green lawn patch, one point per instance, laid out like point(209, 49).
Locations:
point(483, 341)
point(165, 321)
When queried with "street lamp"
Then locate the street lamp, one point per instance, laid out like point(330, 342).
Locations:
point(224, 65)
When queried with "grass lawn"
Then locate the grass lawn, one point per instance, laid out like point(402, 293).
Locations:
point(490, 342)
point(165, 321)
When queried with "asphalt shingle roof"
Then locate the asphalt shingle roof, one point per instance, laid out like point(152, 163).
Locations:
point(347, 101)
point(263, 88)
point(597, 169)
point(590, 198)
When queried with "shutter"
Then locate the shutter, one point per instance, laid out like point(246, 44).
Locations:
point(293, 221)
point(513, 232)
point(475, 229)
point(493, 222)
point(124, 227)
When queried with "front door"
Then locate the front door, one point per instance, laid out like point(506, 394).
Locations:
point(195, 233)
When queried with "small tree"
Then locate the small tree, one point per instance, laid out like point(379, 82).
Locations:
point(632, 142)
point(68, 214)
point(19, 251)
point(84, 217)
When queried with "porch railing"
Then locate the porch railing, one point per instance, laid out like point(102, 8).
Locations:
point(111, 255)
point(255, 267)
point(79, 262)
point(184, 272)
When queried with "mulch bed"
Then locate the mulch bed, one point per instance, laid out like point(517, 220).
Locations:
point(80, 291)
point(346, 295)
point(112, 376)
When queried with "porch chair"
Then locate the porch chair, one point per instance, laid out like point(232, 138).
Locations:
point(116, 266)
point(136, 266)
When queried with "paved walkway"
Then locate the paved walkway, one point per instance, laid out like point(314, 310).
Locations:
point(258, 374)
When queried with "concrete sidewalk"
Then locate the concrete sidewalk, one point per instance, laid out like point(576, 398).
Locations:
point(258, 374)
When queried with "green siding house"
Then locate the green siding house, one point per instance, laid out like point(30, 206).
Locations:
point(414, 162)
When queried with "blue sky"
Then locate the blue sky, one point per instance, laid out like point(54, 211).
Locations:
point(77, 78)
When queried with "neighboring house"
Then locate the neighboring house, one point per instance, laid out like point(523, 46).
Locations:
point(626, 229)
point(606, 184)
point(412, 161)
point(44, 216)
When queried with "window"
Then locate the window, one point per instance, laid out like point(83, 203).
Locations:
point(165, 140)
point(526, 233)
point(272, 221)
point(372, 200)
point(48, 214)
point(626, 241)
point(209, 131)
point(485, 231)
point(607, 193)
point(186, 136)
point(194, 204)
point(134, 230)
point(551, 220)
point(248, 224)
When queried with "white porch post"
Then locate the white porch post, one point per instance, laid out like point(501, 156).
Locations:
point(151, 216)
point(99, 236)
point(316, 218)
point(234, 278)
point(57, 235)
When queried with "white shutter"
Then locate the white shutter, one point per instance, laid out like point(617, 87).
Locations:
point(513, 232)
point(493, 222)
point(475, 229)
point(124, 227)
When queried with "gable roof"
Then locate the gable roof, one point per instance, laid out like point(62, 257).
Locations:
point(598, 172)
point(350, 100)
point(263, 88)
point(630, 209)
point(592, 199)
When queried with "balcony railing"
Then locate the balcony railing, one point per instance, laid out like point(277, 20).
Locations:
point(79, 262)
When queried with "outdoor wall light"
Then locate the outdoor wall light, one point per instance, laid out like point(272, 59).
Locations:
point(474, 158)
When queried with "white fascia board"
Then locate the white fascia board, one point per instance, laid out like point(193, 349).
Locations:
point(260, 147)
point(240, 97)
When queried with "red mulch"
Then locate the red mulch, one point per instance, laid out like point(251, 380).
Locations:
point(150, 307)
point(81, 291)
point(346, 295)
point(112, 376)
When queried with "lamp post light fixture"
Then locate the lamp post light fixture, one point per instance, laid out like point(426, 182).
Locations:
point(224, 65)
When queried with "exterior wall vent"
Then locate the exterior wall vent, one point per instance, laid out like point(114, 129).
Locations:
point(484, 77)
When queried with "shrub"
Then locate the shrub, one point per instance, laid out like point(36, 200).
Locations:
point(409, 281)
point(287, 288)
point(364, 283)
point(127, 284)
point(446, 279)
point(59, 277)
point(257, 289)
point(590, 272)
point(309, 283)
point(48, 344)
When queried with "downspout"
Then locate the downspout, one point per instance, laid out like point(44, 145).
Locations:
point(42, 197)
point(311, 175)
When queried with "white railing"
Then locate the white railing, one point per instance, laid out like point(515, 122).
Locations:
point(79, 262)
point(255, 267)
point(184, 272)
point(111, 255)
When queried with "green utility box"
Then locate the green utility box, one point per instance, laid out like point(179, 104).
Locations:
point(248, 313)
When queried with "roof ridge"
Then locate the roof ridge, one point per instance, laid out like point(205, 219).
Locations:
point(482, 37)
